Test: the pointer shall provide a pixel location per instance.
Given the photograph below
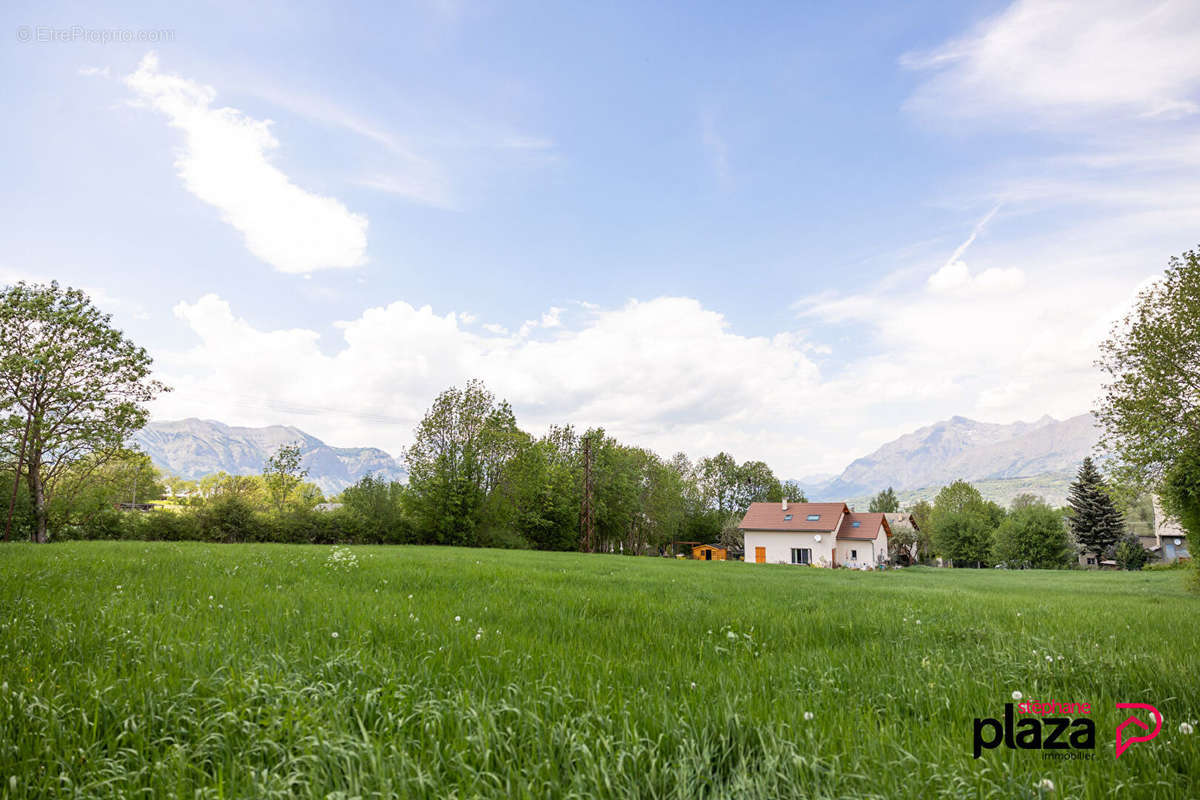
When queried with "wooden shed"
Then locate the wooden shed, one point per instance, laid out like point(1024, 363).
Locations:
point(708, 552)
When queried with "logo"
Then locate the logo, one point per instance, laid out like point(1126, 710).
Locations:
point(1123, 743)
point(1031, 733)
point(1059, 729)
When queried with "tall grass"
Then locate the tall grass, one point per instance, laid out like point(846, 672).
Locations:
point(193, 670)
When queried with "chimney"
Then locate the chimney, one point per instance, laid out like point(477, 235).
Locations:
point(785, 504)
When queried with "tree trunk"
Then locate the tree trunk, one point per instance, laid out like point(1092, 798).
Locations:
point(38, 493)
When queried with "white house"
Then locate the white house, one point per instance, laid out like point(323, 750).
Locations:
point(1170, 540)
point(819, 534)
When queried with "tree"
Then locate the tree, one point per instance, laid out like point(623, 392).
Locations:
point(962, 524)
point(1129, 553)
point(1033, 535)
point(1095, 520)
point(73, 388)
point(282, 475)
point(458, 461)
point(922, 514)
point(886, 501)
point(1150, 410)
point(793, 493)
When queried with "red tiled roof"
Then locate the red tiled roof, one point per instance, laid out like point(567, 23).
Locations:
point(770, 517)
point(868, 526)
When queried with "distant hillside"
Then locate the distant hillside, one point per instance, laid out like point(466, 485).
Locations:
point(1038, 457)
point(193, 448)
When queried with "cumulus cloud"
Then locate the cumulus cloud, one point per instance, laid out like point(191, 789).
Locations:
point(224, 162)
point(1068, 61)
point(665, 373)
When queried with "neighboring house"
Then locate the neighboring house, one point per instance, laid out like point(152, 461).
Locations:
point(818, 534)
point(709, 552)
point(327, 506)
point(1170, 540)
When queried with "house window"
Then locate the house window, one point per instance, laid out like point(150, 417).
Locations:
point(1091, 561)
point(787, 517)
point(813, 517)
point(801, 555)
point(854, 555)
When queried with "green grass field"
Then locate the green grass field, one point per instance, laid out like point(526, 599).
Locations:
point(191, 670)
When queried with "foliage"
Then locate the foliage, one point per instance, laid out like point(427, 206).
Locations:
point(1033, 535)
point(206, 671)
point(282, 475)
point(1095, 521)
point(962, 524)
point(886, 501)
point(1129, 553)
point(1150, 410)
point(74, 383)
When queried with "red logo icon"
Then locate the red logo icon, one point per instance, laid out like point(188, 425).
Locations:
point(1123, 744)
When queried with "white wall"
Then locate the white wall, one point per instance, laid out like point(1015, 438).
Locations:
point(779, 546)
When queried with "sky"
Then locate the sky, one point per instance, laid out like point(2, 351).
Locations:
point(789, 231)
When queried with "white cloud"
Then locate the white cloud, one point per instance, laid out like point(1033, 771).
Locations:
point(224, 162)
point(1065, 62)
point(665, 373)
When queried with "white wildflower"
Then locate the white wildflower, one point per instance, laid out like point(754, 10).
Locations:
point(918, 622)
point(334, 634)
point(1049, 658)
point(731, 635)
point(1044, 785)
point(478, 636)
point(1185, 728)
point(693, 684)
point(457, 618)
point(808, 715)
point(1017, 695)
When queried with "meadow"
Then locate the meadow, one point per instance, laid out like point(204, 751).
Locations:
point(258, 671)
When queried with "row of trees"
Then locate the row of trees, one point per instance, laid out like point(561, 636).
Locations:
point(476, 478)
point(968, 530)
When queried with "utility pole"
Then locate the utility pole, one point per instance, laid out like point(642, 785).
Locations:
point(587, 517)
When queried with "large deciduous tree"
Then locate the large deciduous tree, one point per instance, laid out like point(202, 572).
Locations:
point(73, 388)
point(1095, 520)
point(962, 524)
point(1150, 409)
point(1033, 535)
point(282, 475)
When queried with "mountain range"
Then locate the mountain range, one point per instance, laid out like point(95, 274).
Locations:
point(193, 448)
point(1038, 457)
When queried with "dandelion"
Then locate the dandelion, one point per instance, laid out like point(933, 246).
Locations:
point(1185, 728)
point(210, 597)
point(220, 605)
point(1060, 658)
point(457, 618)
point(334, 634)
point(478, 636)
point(1049, 658)
point(808, 715)
point(118, 587)
point(693, 684)
point(918, 622)
point(731, 635)
point(1016, 695)
point(1044, 785)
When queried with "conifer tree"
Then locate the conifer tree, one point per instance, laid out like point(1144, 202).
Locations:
point(1096, 522)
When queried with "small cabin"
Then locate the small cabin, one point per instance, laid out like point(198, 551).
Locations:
point(708, 552)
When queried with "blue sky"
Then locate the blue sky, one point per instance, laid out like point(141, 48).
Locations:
point(788, 231)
